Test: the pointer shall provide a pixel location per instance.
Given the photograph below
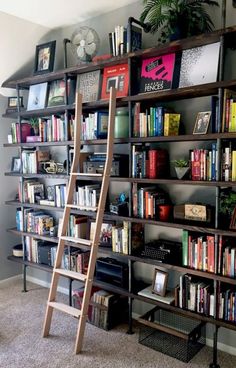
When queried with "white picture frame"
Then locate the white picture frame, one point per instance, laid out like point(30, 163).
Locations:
point(37, 96)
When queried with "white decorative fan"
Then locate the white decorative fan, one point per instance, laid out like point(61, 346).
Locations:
point(85, 43)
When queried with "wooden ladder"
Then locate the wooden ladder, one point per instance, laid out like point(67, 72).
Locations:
point(63, 239)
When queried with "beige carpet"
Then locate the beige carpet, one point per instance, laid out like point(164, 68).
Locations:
point(21, 344)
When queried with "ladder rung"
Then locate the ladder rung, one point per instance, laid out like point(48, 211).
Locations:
point(71, 274)
point(65, 308)
point(77, 240)
point(87, 174)
point(78, 207)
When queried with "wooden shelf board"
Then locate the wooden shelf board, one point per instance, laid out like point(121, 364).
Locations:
point(160, 50)
point(49, 176)
point(184, 137)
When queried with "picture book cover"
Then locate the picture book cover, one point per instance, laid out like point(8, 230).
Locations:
point(157, 73)
point(115, 76)
point(199, 65)
point(88, 85)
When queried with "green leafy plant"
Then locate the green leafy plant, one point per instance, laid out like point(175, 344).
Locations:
point(35, 125)
point(177, 18)
point(180, 163)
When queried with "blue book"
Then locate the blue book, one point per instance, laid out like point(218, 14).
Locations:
point(160, 121)
point(213, 165)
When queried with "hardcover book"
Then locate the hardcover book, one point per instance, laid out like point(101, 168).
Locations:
point(88, 85)
point(199, 65)
point(157, 73)
point(115, 76)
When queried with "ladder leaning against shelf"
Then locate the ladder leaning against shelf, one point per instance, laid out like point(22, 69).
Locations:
point(57, 271)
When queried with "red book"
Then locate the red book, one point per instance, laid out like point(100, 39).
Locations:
point(158, 164)
point(211, 253)
point(136, 119)
point(25, 131)
point(196, 165)
point(115, 76)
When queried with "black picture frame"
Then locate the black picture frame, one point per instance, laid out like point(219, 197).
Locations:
point(44, 57)
point(202, 122)
point(16, 165)
point(13, 102)
point(159, 282)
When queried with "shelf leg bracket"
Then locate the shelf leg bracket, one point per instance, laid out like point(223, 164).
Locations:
point(214, 364)
point(24, 279)
point(130, 329)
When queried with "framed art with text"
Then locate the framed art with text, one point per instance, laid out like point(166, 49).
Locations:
point(115, 76)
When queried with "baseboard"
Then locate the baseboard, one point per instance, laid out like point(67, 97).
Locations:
point(10, 279)
point(223, 347)
point(209, 342)
point(46, 284)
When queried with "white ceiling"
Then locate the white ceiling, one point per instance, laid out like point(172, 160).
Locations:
point(59, 13)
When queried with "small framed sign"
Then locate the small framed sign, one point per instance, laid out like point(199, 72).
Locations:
point(16, 164)
point(12, 102)
point(159, 282)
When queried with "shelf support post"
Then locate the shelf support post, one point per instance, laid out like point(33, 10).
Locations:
point(24, 279)
point(214, 364)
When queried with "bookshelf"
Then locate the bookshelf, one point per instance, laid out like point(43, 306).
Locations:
point(226, 36)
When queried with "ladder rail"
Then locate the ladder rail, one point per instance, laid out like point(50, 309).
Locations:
point(66, 214)
point(98, 223)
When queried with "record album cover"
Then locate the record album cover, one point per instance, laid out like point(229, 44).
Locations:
point(157, 73)
point(199, 65)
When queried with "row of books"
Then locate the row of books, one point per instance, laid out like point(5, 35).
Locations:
point(229, 111)
point(77, 226)
point(196, 295)
point(146, 201)
point(86, 197)
point(95, 126)
point(149, 163)
point(43, 252)
point(227, 305)
point(125, 39)
point(53, 129)
point(228, 171)
point(34, 221)
point(155, 122)
point(120, 238)
point(31, 160)
point(204, 164)
point(198, 252)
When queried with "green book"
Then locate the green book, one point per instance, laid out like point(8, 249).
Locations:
point(185, 248)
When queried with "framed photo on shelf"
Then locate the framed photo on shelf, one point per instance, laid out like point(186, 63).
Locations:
point(57, 93)
point(12, 102)
point(159, 282)
point(202, 122)
point(106, 233)
point(44, 57)
point(16, 164)
point(37, 96)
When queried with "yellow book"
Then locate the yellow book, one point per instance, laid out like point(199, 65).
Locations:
point(233, 165)
point(171, 124)
point(232, 126)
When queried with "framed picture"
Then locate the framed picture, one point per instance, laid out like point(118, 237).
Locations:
point(12, 102)
point(44, 57)
point(106, 233)
point(202, 122)
point(16, 164)
point(37, 96)
point(115, 76)
point(57, 93)
point(159, 282)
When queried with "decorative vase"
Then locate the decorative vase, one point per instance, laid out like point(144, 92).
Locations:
point(181, 172)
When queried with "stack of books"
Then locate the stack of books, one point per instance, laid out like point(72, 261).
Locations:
point(34, 221)
point(124, 40)
point(86, 197)
point(31, 159)
point(227, 305)
point(53, 129)
point(95, 126)
point(120, 235)
point(149, 163)
point(146, 201)
point(204, 164)
point(33, 191)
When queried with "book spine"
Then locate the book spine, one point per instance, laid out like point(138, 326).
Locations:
point(185, 248)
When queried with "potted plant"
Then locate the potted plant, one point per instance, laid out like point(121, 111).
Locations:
point(181, 167)
point(35, 125)
point(177, 18)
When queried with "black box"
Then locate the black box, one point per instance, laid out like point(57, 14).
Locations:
point(177, 336)
point(112, 271)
